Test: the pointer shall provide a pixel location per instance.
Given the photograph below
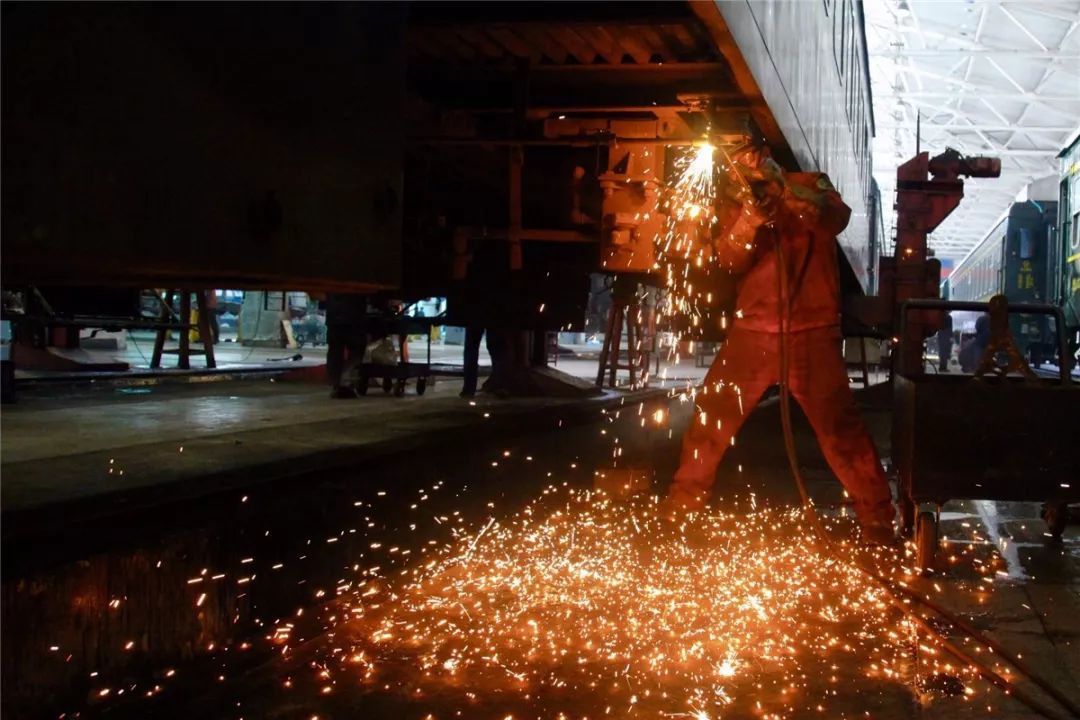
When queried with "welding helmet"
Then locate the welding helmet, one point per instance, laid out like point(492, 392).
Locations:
point(750, 156)
point(753, 162)
point(754, 169)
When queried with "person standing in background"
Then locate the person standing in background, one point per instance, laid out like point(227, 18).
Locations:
point(945, 342)
point(211, 311)
point(346, 340)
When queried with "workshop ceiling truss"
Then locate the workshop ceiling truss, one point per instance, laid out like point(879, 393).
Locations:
point(987, 77)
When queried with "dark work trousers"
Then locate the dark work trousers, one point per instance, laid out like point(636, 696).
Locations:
point(343, 343)
point(215, 325)
point(472, 355)
point(473, 333)
point(944, 344)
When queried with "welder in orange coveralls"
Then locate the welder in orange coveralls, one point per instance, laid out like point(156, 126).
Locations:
point(804, 213)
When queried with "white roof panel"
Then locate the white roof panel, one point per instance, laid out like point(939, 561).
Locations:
point(987, 77)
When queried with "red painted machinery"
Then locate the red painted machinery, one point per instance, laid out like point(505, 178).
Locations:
point(927, 191)
point(964, 436)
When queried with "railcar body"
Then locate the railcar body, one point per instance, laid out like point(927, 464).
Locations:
point(1017, 258)
point(361, 148)
point(793, 74)
point(202, 144)
point(810, 61)
point(1066, 278)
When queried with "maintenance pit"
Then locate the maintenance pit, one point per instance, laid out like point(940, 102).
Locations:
point(347, 590)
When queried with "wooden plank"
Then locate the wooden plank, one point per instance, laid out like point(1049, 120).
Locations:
point(629, 38)
point(541, 39)
point(290, 339)
point(701, 40)
point(476, 37)
point(668, 47)
point(580, 49)
point(513, 43)
point(602, 42)
point(682, 40)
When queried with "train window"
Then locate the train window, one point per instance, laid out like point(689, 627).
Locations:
point(1027, 244)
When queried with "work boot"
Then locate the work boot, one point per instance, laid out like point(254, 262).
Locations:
point(880, 534)
point(675, 508)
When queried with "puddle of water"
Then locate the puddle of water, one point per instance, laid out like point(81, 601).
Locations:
point(988, 514)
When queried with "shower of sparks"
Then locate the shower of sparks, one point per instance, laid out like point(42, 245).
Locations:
point(583, 606)
point(693, 191)
point(684, 251)
point(613, 605)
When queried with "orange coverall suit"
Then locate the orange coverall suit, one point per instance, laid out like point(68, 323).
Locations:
point(808, 217)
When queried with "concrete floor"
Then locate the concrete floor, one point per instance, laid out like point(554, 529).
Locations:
point(73, 438)
point(1034, 608)
point(167, 442)
point(231, 356)
point(237, 435)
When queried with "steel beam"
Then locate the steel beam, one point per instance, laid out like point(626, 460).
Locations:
point(980, 126)
point(989, 52)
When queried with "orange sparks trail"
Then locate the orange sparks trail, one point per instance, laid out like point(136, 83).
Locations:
point(608, 603)
point(690, 211)
point(581, 606)
point(587, 606)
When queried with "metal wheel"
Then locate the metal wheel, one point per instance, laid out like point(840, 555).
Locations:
point(926, 540)
point(1056, 516)
point(399, 388)
point(421, 385)
point(387, 384)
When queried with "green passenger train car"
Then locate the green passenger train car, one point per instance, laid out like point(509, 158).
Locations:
point(1066, 280)
point(1019, 259)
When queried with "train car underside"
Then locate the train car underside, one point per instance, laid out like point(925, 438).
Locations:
point(507, 122)
point(519, 119)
